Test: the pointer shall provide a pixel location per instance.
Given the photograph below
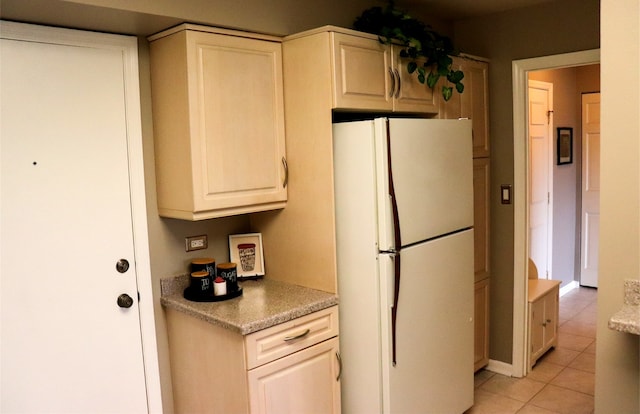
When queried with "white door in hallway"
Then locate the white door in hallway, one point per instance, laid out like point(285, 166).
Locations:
point(590, 189)
point(540, 175)
point(67, 345)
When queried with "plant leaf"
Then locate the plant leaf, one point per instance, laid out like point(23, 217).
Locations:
point(432, 79)
point(459, 87)
point(412, 66)
point(455, 76)
point(421, 78)
point(447, 91)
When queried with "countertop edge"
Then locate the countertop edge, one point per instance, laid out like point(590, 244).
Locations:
point(626, 320)
point(251, 327)
point(276, 303)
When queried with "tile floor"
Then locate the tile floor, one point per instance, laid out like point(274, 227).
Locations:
point(562, 381)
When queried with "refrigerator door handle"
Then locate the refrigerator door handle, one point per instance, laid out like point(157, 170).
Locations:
point(397, 247)
point(394, 309)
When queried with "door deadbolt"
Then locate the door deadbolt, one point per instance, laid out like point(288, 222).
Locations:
point(125, 301)
point(122, 265)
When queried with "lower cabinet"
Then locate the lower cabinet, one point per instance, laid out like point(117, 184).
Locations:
point(293, 367)
point(543, 316)
point(481, 326)
point(304, 382)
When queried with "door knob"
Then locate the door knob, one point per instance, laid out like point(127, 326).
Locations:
point(122, 265)
point(125, 301)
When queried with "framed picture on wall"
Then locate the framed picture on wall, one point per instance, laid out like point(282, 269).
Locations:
point(246, 251)
point(565, 145)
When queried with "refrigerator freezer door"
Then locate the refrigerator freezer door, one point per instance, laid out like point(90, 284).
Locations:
point(432, 173)
point(434, 369)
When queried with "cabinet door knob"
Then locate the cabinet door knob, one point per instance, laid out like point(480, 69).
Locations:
point(339, 358)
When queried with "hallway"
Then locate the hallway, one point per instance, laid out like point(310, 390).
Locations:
point(562, 381)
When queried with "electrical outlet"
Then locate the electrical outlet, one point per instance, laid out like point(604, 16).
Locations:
point(196, 242)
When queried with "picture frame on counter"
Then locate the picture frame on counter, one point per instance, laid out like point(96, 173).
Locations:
point(246, 251)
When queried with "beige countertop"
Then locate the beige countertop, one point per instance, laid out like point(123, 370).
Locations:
point(263, 303)
point(627, 319)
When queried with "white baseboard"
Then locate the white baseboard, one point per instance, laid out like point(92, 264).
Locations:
point(500, 367)
point(569, 287)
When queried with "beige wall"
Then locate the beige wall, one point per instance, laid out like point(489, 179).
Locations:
point(548, 29)
point(617, 354)
point(551, 28)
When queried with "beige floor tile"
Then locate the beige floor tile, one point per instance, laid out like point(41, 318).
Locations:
point(563, 400)
point(532, 409)
point(578, 327)
point(521, 389)
point(481, 377)
point(574, 342)
point(560, 356)
point(489, 403)
point(577, 380)
point(584, 362)
point(545, 371)
point(591, 349)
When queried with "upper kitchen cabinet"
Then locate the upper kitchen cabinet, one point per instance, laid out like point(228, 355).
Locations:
point(218, 117)
point(367, 75)
point(473, 103)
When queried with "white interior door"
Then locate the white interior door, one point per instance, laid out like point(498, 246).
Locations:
point(540, 175)
point(67, 346)
point(590, 189)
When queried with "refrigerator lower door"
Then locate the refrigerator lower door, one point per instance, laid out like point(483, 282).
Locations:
point(434, 337)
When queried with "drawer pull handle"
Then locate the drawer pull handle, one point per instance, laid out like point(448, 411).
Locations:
point(339, 358)
point(298, 336)
point(286, 173)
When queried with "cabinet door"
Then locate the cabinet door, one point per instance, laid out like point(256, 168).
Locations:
point(481, 187)
point(550, 322)
point(536, 329)
point(237, 121)
point(481, 327)
point(411, 95)
point(218, 114)
point(362, 73)
point(303, 382)
point(473, 103)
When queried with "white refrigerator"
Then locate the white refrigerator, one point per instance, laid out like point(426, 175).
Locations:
point(404, 218)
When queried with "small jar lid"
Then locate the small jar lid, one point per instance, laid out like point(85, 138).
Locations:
point(200, 274)
point(203, 260)
point(229, 265)
point(219, 280)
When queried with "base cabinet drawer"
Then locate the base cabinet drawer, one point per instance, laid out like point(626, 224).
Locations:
point(284, 339)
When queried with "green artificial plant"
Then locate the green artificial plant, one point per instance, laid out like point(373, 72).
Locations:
point(428, 53)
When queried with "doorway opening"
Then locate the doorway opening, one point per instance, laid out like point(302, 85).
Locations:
point(521, 69)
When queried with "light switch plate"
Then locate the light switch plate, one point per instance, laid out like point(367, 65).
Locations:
point(505, 194)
